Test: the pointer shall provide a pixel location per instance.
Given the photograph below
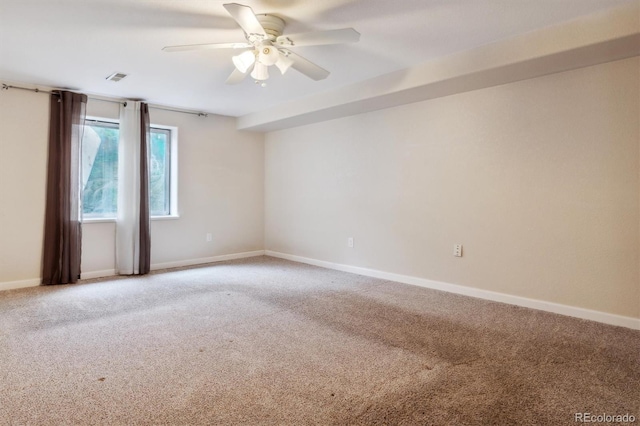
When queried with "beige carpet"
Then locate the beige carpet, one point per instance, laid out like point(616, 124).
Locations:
point(267, 341)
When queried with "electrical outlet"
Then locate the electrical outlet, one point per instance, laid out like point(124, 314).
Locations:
point(350, 242)
point(209, 237)
point(457, 250)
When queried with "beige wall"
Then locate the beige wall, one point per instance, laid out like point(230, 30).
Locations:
point(221, 186)
point(220, 181)
point(539, 180)
point(24, 128)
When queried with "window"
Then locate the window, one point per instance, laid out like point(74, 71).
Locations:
point(160, 172)
point(100, 170)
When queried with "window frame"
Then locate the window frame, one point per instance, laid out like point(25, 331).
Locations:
point(109, 122)
point(173, 172)
point(172, 185)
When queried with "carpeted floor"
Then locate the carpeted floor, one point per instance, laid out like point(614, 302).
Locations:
point(267, 341)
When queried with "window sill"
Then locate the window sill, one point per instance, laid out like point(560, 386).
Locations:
point(99, 220)
point(169, 217)
point(113, 219)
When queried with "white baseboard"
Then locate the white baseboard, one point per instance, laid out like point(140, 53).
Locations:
point(202, 260)
point(11, 285)
point(34, 282)
point(572, 311)
point(97, 274)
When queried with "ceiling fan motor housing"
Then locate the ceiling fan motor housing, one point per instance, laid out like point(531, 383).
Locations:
point(272, 25)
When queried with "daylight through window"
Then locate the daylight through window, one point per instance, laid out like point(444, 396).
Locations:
point(100, 170)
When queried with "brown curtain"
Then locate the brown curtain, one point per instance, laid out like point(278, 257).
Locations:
point(62, 230)
point(145, 228)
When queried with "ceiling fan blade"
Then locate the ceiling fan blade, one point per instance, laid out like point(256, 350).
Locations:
point(236, 76)
point(306, 67)
point(247, 20)
point(345, 35)
point(206, 46)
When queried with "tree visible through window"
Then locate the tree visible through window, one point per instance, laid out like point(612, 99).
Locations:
point(160, 172)
point(100, 170)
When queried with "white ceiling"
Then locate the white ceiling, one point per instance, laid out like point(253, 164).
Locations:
point(75, 44)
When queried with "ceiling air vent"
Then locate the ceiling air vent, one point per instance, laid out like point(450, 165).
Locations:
point(116, 76)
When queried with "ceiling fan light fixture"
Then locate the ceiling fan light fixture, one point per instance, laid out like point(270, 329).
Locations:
point(244, 61)
point(268, 55)
point(264, 34)
point(260, 71)
point(284, 63)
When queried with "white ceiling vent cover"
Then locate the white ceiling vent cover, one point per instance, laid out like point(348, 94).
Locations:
point(116, 76)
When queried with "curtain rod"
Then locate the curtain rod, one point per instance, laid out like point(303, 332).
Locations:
point(7, 87)
point(55, 92)
point(199, 114)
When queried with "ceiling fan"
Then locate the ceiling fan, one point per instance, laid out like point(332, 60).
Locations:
point(267, 46)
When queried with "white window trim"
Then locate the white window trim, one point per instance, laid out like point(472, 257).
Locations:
point(173, 179)
point(173, 190)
